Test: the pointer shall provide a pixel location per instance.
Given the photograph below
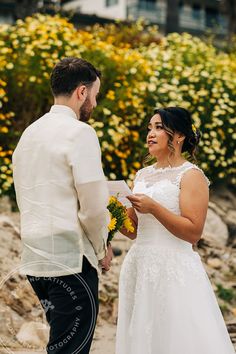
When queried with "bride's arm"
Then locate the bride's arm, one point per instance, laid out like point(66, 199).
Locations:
point(193, 202)
point(134, 220)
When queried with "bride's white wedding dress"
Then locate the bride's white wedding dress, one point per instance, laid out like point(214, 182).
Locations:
point(166, 302)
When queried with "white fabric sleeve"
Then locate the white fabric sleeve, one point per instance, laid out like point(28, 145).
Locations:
point(93, 214)
point(85, 161)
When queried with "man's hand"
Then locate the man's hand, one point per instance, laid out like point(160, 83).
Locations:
point(105, 263)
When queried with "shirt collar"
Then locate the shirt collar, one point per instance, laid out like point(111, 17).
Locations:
point(61, 109)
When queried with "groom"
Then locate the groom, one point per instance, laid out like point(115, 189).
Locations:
point(62, 196)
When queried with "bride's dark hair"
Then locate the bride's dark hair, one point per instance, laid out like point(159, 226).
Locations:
point(178, 119)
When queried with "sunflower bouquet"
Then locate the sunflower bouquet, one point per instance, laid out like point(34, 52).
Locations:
point(119, 218)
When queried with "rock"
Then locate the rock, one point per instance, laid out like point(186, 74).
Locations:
point(231, 217)
point(5, 221)
point(234, 313)
point(117, 251)
point(215, 229)
point(17, 320)
point(230, 220)
point(5, 320)
point(232, 236)
point(224, 198)
point(215, 263)
point(114, 313)
point(10, 323)
point(231, 326)
point(5, 205)
point(217, 209)
point(34, 334)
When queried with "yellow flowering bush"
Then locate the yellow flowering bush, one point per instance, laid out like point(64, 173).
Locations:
point(194, 75)
point(29, 51)
point(119, 218)
point(5, 152)
point(140, 71)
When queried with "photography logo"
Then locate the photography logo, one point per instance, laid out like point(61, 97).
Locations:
point(47, 305)
point(46, 309)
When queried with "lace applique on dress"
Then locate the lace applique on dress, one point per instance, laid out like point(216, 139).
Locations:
point(152, 175)
point(188, 168)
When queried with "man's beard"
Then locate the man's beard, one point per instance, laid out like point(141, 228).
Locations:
point(86, 110)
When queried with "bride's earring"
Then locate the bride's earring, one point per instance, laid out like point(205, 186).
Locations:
point(178, 142)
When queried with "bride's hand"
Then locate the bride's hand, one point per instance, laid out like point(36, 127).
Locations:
point(141, 202)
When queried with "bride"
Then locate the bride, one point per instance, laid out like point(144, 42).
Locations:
point(166, 302)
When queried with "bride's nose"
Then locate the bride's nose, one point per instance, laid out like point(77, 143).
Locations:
point(151, 134)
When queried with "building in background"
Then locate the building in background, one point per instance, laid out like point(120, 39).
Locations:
point(6, 11)
point(195, 16)
point(11, 10)
point(112, 9)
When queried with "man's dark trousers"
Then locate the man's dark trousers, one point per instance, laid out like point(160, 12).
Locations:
point(71, 306)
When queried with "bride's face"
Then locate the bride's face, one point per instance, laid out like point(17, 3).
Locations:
point(157, 138)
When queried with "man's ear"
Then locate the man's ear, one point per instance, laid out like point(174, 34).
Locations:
point(82, 92)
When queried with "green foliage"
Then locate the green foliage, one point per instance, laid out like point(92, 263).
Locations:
point(140, 70)
point(227, 295)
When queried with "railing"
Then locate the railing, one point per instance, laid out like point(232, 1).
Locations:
point(203, 23)
point(192, 19)
point(152, 12)
point(189, 19)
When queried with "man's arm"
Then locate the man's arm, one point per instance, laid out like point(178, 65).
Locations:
point(93, 214)
point(85, 160)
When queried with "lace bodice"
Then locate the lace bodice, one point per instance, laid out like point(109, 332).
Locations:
point(163, 185)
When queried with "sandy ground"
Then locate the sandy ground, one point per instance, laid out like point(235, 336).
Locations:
point(104, 341)
point(104, 337)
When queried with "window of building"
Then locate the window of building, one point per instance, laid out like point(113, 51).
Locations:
point(147, 4)
point(196, 11)
point(181, 5)
point(212, 17)
point(111, 2)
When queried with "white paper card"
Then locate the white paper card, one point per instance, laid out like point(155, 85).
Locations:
point(120, 189)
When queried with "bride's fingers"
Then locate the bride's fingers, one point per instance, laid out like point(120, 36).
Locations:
point(138, 209)
point(133, 198)
point(135, 205)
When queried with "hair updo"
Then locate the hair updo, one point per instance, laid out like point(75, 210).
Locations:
point(177, 119)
